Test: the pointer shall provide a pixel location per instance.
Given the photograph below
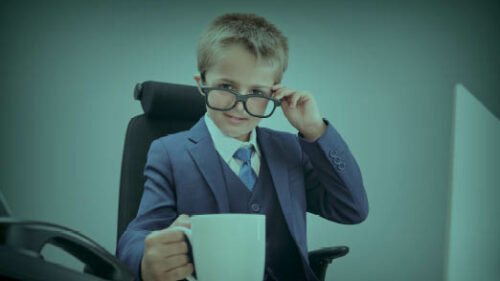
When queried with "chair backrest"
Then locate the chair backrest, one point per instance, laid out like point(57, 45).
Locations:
point(168, 108)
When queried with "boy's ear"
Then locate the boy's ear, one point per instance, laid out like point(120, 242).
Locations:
point(197, 78)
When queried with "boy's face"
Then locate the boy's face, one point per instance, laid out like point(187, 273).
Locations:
point(238, 69)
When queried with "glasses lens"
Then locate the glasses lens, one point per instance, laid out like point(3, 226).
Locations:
point(220, 99)
point(260, 106)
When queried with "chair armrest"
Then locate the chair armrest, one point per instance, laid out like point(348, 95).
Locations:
point(321, 258)
point(328, 254)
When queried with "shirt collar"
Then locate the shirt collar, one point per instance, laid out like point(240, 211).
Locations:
point(226, 146)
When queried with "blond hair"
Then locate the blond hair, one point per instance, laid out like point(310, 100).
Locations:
point(256, 34)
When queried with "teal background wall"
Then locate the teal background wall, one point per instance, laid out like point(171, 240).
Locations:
point(474, 250)
point(383, 72)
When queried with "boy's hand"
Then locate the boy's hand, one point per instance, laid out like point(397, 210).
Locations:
point(165, 254)
point(301, 110)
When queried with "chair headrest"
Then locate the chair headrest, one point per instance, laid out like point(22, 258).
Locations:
point(172, 101)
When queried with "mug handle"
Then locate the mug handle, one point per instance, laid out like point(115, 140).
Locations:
point(187, 233)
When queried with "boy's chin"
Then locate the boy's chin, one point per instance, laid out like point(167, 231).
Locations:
point(238, 134)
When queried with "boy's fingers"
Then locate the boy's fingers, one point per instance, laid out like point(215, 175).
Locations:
point(276, 89)
point(169, 235)
point(295, 99)
point(182, 220)
point(283, 92)
point(172, 249)
point(174, 261)
point(165, 250)
point(179, 272)
point(276, 93)
point(277, 86)
point(290, 97)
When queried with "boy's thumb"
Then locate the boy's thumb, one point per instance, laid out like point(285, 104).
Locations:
point(182, 220)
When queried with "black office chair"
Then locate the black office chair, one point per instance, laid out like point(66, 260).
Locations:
point(170, 108)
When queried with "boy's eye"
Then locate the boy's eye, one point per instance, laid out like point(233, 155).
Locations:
point(255, 91)
point(226, 86)
point(260, 92)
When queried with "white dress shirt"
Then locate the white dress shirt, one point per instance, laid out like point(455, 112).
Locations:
point(227, 146)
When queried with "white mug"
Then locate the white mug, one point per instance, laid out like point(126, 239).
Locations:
point(227, 246)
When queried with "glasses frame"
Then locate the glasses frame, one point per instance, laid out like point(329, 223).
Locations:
point(242, 98)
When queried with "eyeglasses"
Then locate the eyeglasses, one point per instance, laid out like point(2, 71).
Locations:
point(223, 99)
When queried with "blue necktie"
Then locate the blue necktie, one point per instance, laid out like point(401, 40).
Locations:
point(247, 174)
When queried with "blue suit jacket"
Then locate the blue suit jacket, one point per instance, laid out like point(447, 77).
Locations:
point(183, 177)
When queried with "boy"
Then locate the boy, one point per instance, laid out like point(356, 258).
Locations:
point(226, 164)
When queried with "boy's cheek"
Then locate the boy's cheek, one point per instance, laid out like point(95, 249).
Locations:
point(233, 130)
point(252, 123)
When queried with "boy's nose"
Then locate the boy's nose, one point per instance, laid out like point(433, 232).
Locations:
point(239, 107)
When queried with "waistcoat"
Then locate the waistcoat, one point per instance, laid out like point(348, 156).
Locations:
point(283, 261)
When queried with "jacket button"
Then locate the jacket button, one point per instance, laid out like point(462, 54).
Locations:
point(255, 207)
point(333, 154)
point(341, 166)
point(337, 160)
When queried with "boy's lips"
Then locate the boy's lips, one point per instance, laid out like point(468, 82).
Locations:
point(234, 119)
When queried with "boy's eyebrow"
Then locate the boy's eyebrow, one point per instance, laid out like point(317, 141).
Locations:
point(236, 83)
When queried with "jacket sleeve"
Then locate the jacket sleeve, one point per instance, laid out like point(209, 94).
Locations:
point(157, 209)
point(334, 186)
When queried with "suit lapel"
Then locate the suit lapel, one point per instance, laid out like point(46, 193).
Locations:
point(279, 173)
point(206, 157)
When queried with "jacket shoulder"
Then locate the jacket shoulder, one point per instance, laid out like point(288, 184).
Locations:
point(175, 140)
point(286, 140)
